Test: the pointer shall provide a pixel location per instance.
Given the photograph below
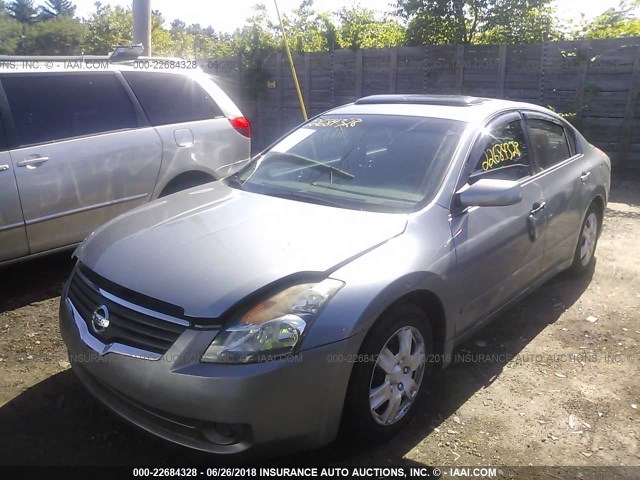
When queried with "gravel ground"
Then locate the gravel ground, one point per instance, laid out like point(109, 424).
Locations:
point(553, 381)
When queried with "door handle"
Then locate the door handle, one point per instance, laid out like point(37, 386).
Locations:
point(4, 167)
point(537, 208)
point(584, 176)
point(32, 161)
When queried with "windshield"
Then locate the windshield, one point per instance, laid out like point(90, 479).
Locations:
point(367, 162)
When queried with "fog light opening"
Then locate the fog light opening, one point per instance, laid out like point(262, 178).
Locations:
point(221, 433)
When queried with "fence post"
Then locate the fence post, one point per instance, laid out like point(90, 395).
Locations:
point(459, 68)
point(632, 97)
point(425, 69)
point(358, 73)
point(502, 69)
point(306, 92)
point(393, 69)
point(543, 64)
point(583, 58)
point(280, 88)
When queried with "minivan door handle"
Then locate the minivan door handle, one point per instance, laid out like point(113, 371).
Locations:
point(584, 176)
point(32, 161)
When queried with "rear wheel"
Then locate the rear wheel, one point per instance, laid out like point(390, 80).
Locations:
point(184, 181)
point(389, 375)
point(587, 241)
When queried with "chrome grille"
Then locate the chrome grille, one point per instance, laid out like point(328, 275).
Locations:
point(128, 325)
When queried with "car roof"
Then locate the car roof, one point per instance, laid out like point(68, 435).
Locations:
point(453, 107)
point(20, 65)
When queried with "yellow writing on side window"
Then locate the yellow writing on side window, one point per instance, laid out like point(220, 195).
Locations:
point(336, 122)
point(499, 153)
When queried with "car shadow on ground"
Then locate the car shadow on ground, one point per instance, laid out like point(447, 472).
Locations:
point(35, 280)
point(624, 188)
point(56, 422)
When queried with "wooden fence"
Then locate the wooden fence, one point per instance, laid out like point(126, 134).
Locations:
point(596, 83)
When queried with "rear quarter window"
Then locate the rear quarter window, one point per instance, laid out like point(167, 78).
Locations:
point(549, 142)
point(169, 98)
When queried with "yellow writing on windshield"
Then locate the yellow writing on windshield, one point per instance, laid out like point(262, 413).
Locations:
point(499, 153)
point(336, 122)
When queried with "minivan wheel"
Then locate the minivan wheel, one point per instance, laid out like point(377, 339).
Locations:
point(587, 241)
point(389, 374)
point(185, 181)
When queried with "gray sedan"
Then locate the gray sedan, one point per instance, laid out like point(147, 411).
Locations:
point(321, 285)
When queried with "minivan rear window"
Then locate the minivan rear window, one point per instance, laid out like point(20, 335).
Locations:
point(170, 98)
point(52, 107)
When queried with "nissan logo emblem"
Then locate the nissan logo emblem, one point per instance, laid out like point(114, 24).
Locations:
point(100, 319)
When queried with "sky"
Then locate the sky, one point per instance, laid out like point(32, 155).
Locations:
point(226, 16)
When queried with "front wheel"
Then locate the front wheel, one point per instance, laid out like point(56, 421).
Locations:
point(587, 241)
point(389, 380)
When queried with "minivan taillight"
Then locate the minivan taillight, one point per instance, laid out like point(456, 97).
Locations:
point(242, 125)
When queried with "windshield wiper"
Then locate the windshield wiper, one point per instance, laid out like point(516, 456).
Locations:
point(234, 182)
point(316, 163)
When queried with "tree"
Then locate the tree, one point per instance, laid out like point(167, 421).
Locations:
point(534, 23)
point(468, 21)
point(23, 11)
point(108, 27)
point(58, 8)
point(619, 22)
point(10, 35)
point(252, 43)
point(257, 38)
point(309, 31)
point(58, 36)
point(178, 26)
point(359, 28)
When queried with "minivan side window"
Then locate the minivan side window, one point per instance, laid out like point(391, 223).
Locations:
point(548, 141)
point(501, 153)
point(47, 108)
point(170, 98)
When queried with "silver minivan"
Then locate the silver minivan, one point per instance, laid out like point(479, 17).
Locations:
point(81, 145)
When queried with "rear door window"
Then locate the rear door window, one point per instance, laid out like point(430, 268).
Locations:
point(47, 108)
point(169, 98)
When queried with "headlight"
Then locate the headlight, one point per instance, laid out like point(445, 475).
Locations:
point(274, 327)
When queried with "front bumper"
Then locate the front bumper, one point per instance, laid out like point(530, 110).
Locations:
point(223, 409)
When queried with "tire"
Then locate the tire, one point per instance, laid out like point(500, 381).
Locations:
point(587, 242)
point(405, 383)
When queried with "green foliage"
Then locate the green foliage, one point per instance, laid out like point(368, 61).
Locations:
point(252, 43)
point(52, 28)
point(359, 28)
point(10, 35)
point(59, 36)
point(477, 21)
point(619, 22)
point(108, 27)
point(518, 21)
point(308, 30)
point(257, 38)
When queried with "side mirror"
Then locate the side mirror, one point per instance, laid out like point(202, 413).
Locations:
point(488, 192)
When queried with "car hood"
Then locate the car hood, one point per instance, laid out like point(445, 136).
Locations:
point(207, 248)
